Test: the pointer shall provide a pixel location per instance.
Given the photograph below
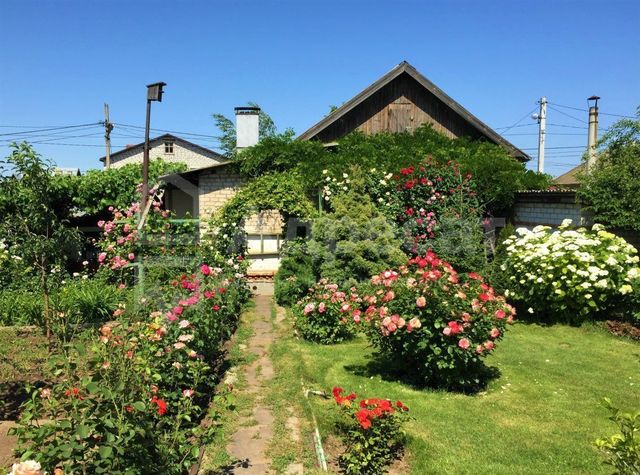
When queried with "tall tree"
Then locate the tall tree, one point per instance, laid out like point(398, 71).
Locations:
point(227, 137)
point(32, 222)
point(611, 192)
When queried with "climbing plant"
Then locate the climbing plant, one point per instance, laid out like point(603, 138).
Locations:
point(275, 191)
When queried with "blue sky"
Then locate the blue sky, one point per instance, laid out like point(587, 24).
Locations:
point(61, 60)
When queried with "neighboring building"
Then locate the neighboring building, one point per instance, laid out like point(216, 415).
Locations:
point(569, 180)
point(402, 100)
point(66, 171)
point(170, 149)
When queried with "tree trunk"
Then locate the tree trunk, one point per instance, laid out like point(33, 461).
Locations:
point(47, 311)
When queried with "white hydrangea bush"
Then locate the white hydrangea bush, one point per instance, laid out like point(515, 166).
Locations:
point(569, 274)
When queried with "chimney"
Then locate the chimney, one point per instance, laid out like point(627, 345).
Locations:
point(247, 127)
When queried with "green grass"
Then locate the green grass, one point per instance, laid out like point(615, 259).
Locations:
point(540, 415)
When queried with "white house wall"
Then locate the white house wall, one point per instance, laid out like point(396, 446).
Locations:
point(193, 157)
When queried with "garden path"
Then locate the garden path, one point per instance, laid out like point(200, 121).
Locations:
point(250, 443)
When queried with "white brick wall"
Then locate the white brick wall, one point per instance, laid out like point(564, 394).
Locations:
point(183, 152)
point(551, 214)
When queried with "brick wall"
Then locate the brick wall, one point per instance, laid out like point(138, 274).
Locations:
point(548, 208)
point(215, 189)
point(183, 152)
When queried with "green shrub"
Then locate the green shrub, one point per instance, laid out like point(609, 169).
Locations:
point(434, 322)
point(21, 307)
point(623, 449)
point(570, 274)
point(90, 300)
point(354, 242)
point(295, 276)
point(324, 316)
point(372, 429)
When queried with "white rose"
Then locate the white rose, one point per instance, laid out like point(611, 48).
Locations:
point(29, 467)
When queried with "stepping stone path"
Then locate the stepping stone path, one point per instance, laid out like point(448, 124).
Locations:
point(249, 444)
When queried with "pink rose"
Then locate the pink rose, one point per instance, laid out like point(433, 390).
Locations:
point(184, 324)
point(188, 392)
point(100, 223)
point(131, 256)
point(310, 307)
point(322, 307)
point(489, 345)
point(102, 256)
point(479, 349)
point(464, 343)
point(392, 327)
point(415, 323)
point(500, 314)
point(421, 302)
point(205, 269)
point(495, 333)
point(446, 331)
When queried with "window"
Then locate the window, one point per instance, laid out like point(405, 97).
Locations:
point(168, 146)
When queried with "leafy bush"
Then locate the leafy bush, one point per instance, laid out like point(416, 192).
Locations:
point(91, 300)
point(324, 316)
point(570, 274)
point(611, 191)
point(135, 408)
point(373, 433)
point(21, 307)
point(623, 449)
point(437, 322)
point(354, 242)
point(96, 190)
point(295, 275)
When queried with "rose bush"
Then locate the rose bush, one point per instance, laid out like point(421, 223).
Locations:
point(570, 274)
point(325, 314)
point(135, 406)
point(436, 321)
point(373, 432)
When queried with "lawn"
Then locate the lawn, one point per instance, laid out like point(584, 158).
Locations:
point(539, 415)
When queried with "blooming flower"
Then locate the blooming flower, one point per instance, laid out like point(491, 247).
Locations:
point(28, 467)
point(464, 343)
point(421, 301)
point(188, 392)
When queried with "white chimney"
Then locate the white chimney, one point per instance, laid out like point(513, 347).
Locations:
point(247, 127)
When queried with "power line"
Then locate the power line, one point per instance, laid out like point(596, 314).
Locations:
point(520, 120)
point(587, 110)
point(48, 129)
point(554, 148)
point(568, 115)
point(211, 137)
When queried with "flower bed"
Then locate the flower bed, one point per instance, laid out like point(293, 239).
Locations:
point(373, 432)
point(437, 322)
point(137, 407)
point(324, 316)
point(570, 274)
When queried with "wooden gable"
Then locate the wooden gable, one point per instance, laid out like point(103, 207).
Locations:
point(402, 100)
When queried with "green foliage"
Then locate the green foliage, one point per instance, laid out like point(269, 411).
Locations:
point(282, 152)
point(570, 274)
point(353, 242)
point(227, 137)
point(460, 241)
point(324, 315)
point(372, 430)
point(20, 307)
point(89, 300)
point(135, 404)
point(31, 225)
point(295, 275)
point(436, 322)
point(623, 449)
point(275, 191)
point(96, 190)
point(611, 192)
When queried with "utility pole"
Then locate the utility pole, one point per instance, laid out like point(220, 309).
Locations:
point(592, 137)
point(154, 93)
point(108, 127)
point(542, 122)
